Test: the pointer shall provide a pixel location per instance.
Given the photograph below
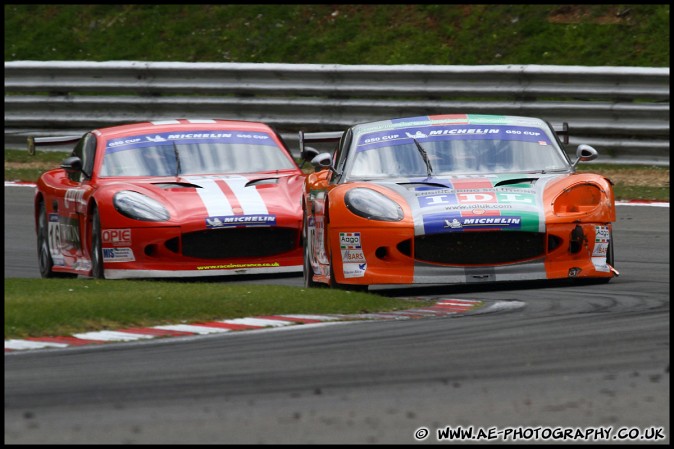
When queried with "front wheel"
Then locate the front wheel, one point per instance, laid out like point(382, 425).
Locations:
point(44, 257)
point(609, 251)
point(45, 261)
point(609, 259)
point(97, 270)
point(308, 270)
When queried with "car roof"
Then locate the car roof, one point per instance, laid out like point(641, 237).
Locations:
point(180, 124)
point(448, 119)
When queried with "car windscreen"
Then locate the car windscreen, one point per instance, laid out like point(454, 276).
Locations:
point(197, 152)
point(454, 149)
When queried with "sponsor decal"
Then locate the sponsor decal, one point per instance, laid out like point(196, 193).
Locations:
point(427, 130)
point(601, 242)
point(241, 220)
point(516, 198)
point(493, 221)
point(481, 197)
point(600, 264)
point(434, 223)
point(465, 196)
point(454, 224)
point(230, 266)
point(436, 200)
point(486, 222)
point(116, 237)
point(425, 191)
point(123, 142)
point(602, 234)
point(118, 255)
point(353, 256)
point(478, 209)
point(478, 191)
point(349, 240)
point(354, 270)
point(156, 138)
point(73, 198)
point(463, 130)
point(382, 138)
point(143, 140)
point(417, 135)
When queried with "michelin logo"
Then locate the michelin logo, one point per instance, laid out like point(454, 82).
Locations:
point(454, 224)
point(417, 135)
point(482, 222)
point(241, 220)
point(491, 221)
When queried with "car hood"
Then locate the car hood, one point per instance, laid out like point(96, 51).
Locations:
point(492, 202)
point(226, 200)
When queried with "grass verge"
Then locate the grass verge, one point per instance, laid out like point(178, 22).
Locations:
point(61, 307)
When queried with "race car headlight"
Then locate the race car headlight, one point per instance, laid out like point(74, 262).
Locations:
point(578, 199)
point(372, 205)
point(139, 207)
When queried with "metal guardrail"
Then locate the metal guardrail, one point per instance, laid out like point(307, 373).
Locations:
point(622, 111)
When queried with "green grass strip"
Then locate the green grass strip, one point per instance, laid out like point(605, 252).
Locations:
point(61, 307)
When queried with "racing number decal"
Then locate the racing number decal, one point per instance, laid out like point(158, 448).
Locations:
point(54, 239)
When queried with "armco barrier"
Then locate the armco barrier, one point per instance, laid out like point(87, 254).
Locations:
point(622, 111)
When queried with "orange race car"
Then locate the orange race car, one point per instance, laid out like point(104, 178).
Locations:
point(453, 199)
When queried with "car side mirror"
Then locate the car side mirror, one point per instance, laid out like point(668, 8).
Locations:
point(322, 160)
point(73, 167)
point(72, 164)
point(585, 153)
point(309, 153)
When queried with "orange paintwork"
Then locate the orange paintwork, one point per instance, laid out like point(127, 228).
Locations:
point(511, 209)
point(387, 265)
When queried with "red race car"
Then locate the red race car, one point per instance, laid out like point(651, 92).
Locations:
point(453, 199)
point(172, 198)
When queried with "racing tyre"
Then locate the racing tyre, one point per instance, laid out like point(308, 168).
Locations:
point(45, 261)
point(609, 259)
point(97, 271)
point(609, 251)
point(308, 270)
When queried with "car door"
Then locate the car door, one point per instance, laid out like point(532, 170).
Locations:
point(319, 184)
point(72, 213)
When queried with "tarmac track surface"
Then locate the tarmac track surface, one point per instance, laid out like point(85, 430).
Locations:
point(575, 356)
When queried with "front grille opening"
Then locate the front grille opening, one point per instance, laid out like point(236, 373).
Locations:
point(405, 247)
point(239, 242)
point(554, 242)
point(173, 245)
point(479, 248)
